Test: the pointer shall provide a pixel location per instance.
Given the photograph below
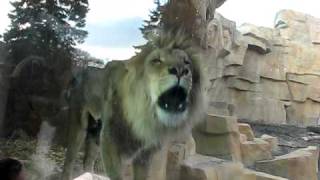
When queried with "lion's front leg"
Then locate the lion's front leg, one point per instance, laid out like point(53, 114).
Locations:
point(111, 158)
point(150, 164)
point(141, 166)
point(76, 137)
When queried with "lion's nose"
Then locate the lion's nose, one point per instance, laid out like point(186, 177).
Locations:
point(178, 71)
point(173, 71)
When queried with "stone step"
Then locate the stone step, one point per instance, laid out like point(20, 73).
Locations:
point(256, 150)
point(224, 146)
point(273, 141)
point(265, 176)
point(301, 164)
point(245, 129)
point(218, 136)
point(216, 124)
point(199, 167)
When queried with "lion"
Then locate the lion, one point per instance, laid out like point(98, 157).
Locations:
point(138, 105)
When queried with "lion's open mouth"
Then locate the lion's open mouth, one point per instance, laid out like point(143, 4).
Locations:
point(173, 100)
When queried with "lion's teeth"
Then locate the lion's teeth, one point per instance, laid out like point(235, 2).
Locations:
point(166, 106)
point(180, 106)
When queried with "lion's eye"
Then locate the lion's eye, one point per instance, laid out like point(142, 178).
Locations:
point(156, 61)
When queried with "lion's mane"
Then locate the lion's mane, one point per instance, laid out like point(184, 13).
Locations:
point(138, 110)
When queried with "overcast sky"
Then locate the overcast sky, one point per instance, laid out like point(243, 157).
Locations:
point(113, 24)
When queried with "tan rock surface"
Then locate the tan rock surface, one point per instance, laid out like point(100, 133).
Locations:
point(315, 154)
point(224, 146)
point(250, 70)
point(252, 107)
point(304, 114)
point(275, 89)
point(177, 153)
point(298, 165)
point(236, 55)
point(245, 129)
point(273, 142)
point(243, 138)
point(199, 167)
point(265, 176)
point(216, 124)
point(255, 150)
point(270, 75)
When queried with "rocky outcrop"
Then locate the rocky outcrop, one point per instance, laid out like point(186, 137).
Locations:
point(220, 136)
point(268, 75)
point(222, 159)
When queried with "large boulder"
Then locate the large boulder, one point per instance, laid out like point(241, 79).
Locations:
point(273, 142)
point(178, 151)
point(218, 136)
point(256, 150)
point(216, 124)
point(245, 129)
point(200, 167)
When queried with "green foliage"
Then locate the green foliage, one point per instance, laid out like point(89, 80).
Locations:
point(48, 30)
point(45, 27)
point(151, 25)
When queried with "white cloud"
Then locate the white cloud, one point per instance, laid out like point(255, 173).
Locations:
point(5, 8)
point(113, 10)
point(109, 52)
point(262, 12)
point(101, 11)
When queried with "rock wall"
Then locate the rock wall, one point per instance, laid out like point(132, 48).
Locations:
point(268, 75)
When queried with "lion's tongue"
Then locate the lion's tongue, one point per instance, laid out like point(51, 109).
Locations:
point(173, 100)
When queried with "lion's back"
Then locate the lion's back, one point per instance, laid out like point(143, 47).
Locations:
point(90, 88)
